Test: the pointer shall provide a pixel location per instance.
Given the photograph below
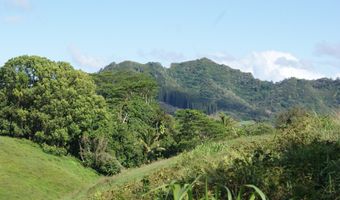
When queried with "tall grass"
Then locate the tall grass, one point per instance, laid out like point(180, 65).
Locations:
point(177, 191)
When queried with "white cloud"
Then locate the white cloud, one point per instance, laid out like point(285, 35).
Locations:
point(272, 66)
point(219, 57)
point(13, 19)
point(86, 62)
point(162, 55)
point(22, 4)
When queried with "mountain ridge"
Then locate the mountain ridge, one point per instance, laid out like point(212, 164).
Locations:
point(211, 87)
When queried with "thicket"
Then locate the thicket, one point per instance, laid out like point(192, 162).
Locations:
point(301, 161)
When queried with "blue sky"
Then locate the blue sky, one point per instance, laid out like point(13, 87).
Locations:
point(272, 39)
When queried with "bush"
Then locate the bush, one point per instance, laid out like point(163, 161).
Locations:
point(256, 129)
point(301, 163)
point(58, 151)
point(94, 153)
point(194, 128)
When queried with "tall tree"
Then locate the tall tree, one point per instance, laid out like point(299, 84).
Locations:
point(195, 127)
point(141, 126)
point(49, 102)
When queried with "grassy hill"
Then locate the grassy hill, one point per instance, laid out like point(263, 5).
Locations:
point(26, 172)
point(171, 168)
point(205, 85)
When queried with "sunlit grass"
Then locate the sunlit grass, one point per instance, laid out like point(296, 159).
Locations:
point(26, 172)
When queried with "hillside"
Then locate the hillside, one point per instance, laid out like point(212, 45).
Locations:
point(133, 176)
point(26, 172)
point(270, 161)
point(211, 87)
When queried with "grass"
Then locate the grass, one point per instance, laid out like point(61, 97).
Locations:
point(26, 172)
point(125, 176)
point(212, 150)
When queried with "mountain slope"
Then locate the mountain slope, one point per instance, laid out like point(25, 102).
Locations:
point(26, 172)
point(211, 87)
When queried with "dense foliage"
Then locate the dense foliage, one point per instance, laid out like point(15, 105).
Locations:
point(143, 131)
point(210, 87)
point(112, 120)
point(49, 102)
point(301, 161)
point(196, 128)
point(53, 105)
point(64, 111)
point(141, 127)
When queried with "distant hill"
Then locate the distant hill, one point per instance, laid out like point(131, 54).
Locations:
point(205, 85)
point(26, 172)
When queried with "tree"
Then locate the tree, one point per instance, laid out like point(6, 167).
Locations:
point(49, 102)
point(196, 127)
point(142, 130)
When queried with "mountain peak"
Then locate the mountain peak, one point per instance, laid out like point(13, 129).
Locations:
point(205, 59)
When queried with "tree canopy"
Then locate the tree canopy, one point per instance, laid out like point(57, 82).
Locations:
point(49, 102)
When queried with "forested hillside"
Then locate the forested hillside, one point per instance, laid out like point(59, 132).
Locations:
point(211, 87)
point(115, 125)
point(111, 121)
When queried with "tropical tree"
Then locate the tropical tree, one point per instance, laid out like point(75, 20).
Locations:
point(49, 102)
point(142, 129)
point(195, 127)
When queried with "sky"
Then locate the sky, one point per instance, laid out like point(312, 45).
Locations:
point(272, 39)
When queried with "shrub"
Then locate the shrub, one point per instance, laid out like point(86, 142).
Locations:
point(59, 151)
point(256, 129)
point(94, 153)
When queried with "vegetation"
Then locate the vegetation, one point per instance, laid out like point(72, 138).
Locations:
point(26, 172)
point(112, 122)
point(182, 192)
point(210, 87)
point(196, 128)
point(142, 131)
point(299, 161)
point(56, 106)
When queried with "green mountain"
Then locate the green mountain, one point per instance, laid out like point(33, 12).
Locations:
point(205, 85)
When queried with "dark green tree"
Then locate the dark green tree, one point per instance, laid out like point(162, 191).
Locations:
point(49, 102)
point(195, 127)
point(142, 130)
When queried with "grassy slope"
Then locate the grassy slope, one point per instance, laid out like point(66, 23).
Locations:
point(131, 175)
point(126, 176)
point(26, 172)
